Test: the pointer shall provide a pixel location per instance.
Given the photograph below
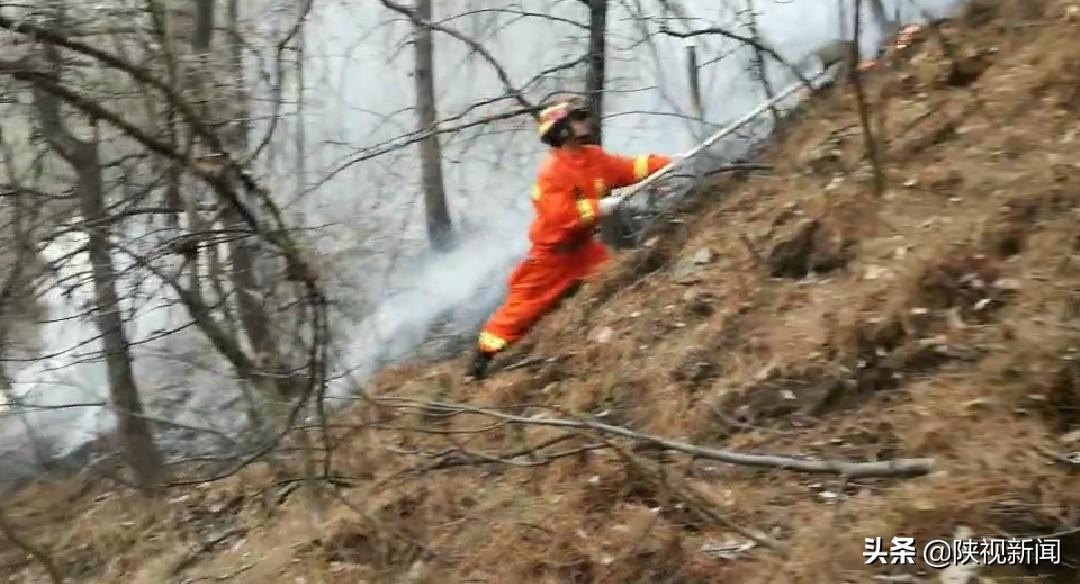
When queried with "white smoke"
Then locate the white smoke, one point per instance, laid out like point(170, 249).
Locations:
point(360, 91)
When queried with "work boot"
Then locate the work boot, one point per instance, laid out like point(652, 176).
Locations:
point(478, 366)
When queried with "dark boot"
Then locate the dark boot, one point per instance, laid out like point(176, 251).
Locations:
point(479, 364)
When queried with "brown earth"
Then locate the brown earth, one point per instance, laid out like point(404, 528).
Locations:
point(940, 321)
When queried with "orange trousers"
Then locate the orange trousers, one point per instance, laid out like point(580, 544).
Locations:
point(535, 286)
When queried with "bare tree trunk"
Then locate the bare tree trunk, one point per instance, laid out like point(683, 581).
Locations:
point(698, 130)
point(434, 198)
point(17, 293)
point(236, 61)
point(41, 451)
point(612, 230)
point(889, 26)
point(436, 212)
point(864, 108)
point(249, 295)
point(133, 431)
point(594, 76)
point(204, 25)
point(841, 19)
point(693, 80)
point(173, 189)
point(301, 135)
point(760, 66)
point(260, 431)
point(170, 36)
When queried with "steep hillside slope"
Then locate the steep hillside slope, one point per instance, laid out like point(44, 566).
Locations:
point(788, 313)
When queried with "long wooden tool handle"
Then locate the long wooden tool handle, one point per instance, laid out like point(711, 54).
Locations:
point(633, 189)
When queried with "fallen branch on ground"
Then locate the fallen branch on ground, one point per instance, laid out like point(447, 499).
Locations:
point(905, 467)
point(457, 457)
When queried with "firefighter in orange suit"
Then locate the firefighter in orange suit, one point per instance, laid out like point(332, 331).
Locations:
point(568, 197)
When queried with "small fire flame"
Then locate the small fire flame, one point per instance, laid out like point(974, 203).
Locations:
point(903, 41)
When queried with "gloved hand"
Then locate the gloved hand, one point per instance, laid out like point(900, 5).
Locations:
point(608, 205)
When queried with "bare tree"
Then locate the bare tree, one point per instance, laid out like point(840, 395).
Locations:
point(251, 294)
point(594, 74)
point(888, 25)
point(205, 128)
point(301, 133)
point(18, 301)
point(864, 108)
point(693, 81)
point(133, 430)
point(612, 230)
point(436, 211)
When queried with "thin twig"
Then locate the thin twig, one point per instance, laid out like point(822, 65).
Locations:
point(503, 76)
point(743, 39)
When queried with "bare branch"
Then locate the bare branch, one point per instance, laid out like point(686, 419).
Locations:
point(743, 39)
point(138, 73)
point(215, 174)
point(275, 115)
point(215, 177)
point(386, 148)
point(517, 94)
point(520, 13)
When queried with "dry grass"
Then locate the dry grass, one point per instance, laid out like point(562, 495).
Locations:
point(942, 323)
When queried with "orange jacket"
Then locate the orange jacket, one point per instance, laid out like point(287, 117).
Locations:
point(572, 181)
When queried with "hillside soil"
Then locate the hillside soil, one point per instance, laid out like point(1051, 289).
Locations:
point(789, 312)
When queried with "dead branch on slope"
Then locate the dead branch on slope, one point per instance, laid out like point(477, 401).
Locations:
point(889, 468)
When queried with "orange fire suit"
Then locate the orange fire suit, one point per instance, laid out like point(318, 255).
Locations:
point(563, 251)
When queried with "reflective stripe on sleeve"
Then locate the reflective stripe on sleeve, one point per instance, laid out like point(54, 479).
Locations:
point(536, 192)
point(585, 209)
point(641, 167)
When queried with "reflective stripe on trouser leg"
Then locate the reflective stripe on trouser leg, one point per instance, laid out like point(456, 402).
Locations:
point(491, 343)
